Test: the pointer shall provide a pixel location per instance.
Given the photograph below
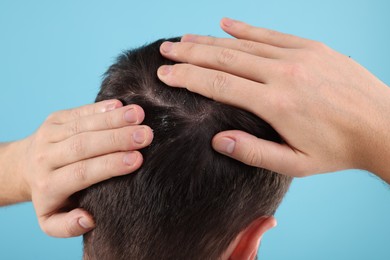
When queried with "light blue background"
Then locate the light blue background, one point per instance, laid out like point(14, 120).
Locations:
point(52, 56)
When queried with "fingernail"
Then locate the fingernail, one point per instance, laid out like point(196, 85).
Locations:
point(225, 145)
point(130, 159)
point(227, 22)
point(166, 47)
point(189, 38)
point(85, 223)
point(139, 136)
point(131, 116)
point(164, 70)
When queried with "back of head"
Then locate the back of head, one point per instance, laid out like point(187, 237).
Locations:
point(186, 201)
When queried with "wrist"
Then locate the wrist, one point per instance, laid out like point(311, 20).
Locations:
point(13, 186)
point(19, 153)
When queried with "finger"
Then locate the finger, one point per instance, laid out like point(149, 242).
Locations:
point(67, 224)
point(64, 116)
point(220, 86)
point(251, 47)
point(121, 117)
point(231, 61)
point(261, 153)
point(245, 31)
point(80, 175)
point(92, 144)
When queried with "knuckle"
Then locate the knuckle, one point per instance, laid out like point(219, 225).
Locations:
point(75, 113)
point(74, 128)
point(190, 50)
point(254, 157)
point(40, 157)
point(54, 117)
point(316, 45)
point(283, 103)
point(247, 45)
point(77, 147)
point(181, 74)
point(44, 131)
point(226, 57)
point(270, 34)
point(80, 172)
point(51, 118)
point(108, 165)
point(295, 71)
point(211, 40)
point(70, 229)
point(40, 136)
point(321, 48)
point(177, 72)
point(174, 70)
point(109, 121)
point(114, 138)
point(220, 84)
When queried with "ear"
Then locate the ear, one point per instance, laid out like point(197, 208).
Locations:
point(246, 244)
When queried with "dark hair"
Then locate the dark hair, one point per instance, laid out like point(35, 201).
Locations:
point(186, 201)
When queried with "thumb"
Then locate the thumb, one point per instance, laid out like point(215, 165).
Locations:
point(261, 153)
point(67, 224)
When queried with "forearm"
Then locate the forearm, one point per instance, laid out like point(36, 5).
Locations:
point(12, 188)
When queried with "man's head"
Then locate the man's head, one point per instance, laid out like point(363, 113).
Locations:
point(186, 201)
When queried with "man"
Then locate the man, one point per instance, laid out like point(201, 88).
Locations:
point(186, 201)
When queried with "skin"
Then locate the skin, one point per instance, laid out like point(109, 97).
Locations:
point(246, 244)
point(332, 113)
point(72, 150)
